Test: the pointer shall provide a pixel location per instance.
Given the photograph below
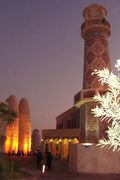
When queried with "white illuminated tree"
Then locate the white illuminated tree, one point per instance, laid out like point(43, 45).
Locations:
point(108, 108)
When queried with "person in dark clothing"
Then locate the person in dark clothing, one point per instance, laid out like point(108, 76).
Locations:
point(39, 159)
point(49, 160)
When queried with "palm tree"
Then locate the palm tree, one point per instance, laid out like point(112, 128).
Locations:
point(7, 115)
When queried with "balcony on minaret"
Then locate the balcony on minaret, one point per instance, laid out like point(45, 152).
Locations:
point(87, 95)
point(95, 22)
point(95, 18)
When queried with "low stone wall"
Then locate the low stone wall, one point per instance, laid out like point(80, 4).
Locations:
point(93, 159)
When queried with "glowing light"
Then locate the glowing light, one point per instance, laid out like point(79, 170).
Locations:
point(65, 141)
point(117, 64)
point(15, 145)
point(87, 144)
point(25, 147)
point(43, 168)
point(7, 145)
point(75, 141)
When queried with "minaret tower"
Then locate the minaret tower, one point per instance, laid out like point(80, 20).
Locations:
point(95, 31)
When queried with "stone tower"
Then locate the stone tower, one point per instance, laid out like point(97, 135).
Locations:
point(95, 31)
point(24, 126)
point(35, 139)
point(12, 130)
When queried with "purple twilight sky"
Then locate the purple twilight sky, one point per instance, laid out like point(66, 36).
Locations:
point(42, 53)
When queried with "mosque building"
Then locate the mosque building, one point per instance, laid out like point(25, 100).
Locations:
point(18, 133)
point(77, 124)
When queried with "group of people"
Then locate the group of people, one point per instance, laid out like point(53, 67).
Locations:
point(45, 159)
point(19, 153)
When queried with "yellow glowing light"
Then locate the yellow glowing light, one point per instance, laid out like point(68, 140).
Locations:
point(25, 147)
point(65, 141)
point(29, 146)
point(7, 145)
point(15, 145)
point(75, 141)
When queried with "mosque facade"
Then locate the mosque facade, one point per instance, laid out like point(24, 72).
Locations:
point(77, 124)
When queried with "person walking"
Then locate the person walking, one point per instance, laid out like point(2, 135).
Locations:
point(39, 159)
point(49, 160)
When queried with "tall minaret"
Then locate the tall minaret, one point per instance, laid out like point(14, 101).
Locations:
point(95, 31)
point(12, 129)
point(24, 126)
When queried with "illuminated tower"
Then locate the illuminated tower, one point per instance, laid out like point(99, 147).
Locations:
point(95, 31)
point(24, 126)
point(12, 130)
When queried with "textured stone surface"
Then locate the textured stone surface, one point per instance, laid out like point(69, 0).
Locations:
point(12, 130)
point(18, 133)
point(24, 126)
point(35, 139)
point(93, 159)
point(95, 32)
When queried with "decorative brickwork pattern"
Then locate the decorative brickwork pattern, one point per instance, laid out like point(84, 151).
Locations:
point(95, 31)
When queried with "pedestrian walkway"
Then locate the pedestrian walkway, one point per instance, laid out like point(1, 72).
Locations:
point(60, 171)
point(37, 175)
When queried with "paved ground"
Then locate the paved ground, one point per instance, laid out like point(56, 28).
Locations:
point(60, 171)
point(70, 176)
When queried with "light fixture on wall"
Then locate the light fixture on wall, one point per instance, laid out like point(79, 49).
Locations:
point(87, 144)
